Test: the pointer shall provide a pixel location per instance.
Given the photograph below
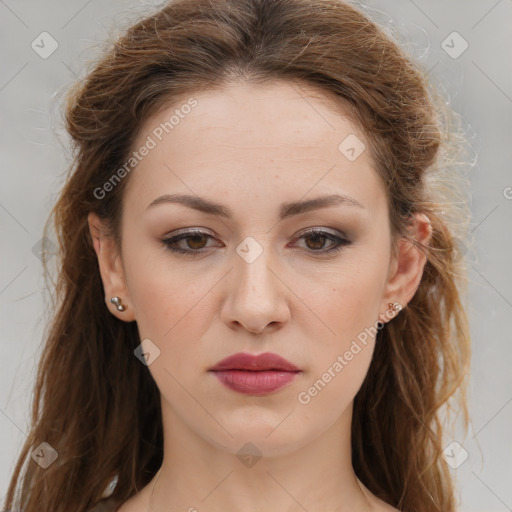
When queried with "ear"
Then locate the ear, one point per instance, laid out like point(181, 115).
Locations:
point(111, 268)
point(406, 269)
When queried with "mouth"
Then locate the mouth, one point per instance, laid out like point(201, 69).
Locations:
point(255, 375)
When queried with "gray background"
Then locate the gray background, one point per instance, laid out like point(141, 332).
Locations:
point(35, 153)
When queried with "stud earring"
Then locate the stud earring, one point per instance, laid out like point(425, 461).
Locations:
point(395, 306)
point(117, 302)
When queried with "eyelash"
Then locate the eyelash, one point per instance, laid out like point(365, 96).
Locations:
point(170, 242)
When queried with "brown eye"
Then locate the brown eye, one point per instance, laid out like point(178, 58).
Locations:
point(192, 242)
point(318, 241)
point(197, 241)
point(315, 242)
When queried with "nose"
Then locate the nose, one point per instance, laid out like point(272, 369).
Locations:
point(257, 296)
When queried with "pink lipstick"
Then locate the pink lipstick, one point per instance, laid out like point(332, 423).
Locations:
point(255, 375)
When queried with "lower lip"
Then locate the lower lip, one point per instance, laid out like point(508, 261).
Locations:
point(255, 383)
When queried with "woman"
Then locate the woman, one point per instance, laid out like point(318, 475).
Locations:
point(260, 291)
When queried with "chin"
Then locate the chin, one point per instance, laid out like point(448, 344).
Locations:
point(262, 439)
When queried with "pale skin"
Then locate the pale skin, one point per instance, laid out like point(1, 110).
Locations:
point(251, 149)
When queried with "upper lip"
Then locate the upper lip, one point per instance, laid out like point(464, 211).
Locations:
point(261, 362)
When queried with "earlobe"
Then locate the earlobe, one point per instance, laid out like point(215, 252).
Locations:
point(408, 265)
point(111, 270)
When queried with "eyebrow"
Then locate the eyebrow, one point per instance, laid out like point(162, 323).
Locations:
point(286, 209)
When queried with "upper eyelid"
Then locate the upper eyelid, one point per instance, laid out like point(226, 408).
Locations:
point(190, 232)
point(339, 240)
point(201, 231)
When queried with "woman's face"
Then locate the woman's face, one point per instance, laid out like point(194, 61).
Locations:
point(255, 281)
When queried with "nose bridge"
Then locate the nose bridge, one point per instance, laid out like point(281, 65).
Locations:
point(253, 264)
point(254, 290)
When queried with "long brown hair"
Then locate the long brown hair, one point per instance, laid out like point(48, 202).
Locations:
point(95, 404)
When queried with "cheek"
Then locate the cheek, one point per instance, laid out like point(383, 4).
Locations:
point(169, 304)
point(347, 301)
point(348, 298)
point(340, 361)
point(329, 393)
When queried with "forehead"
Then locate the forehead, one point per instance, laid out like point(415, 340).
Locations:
point(252, 115)
point(281, 136)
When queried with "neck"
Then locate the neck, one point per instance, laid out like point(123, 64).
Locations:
point(195, 475)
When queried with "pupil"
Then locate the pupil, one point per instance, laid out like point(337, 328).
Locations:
point(196, 238)
point(317, 238)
